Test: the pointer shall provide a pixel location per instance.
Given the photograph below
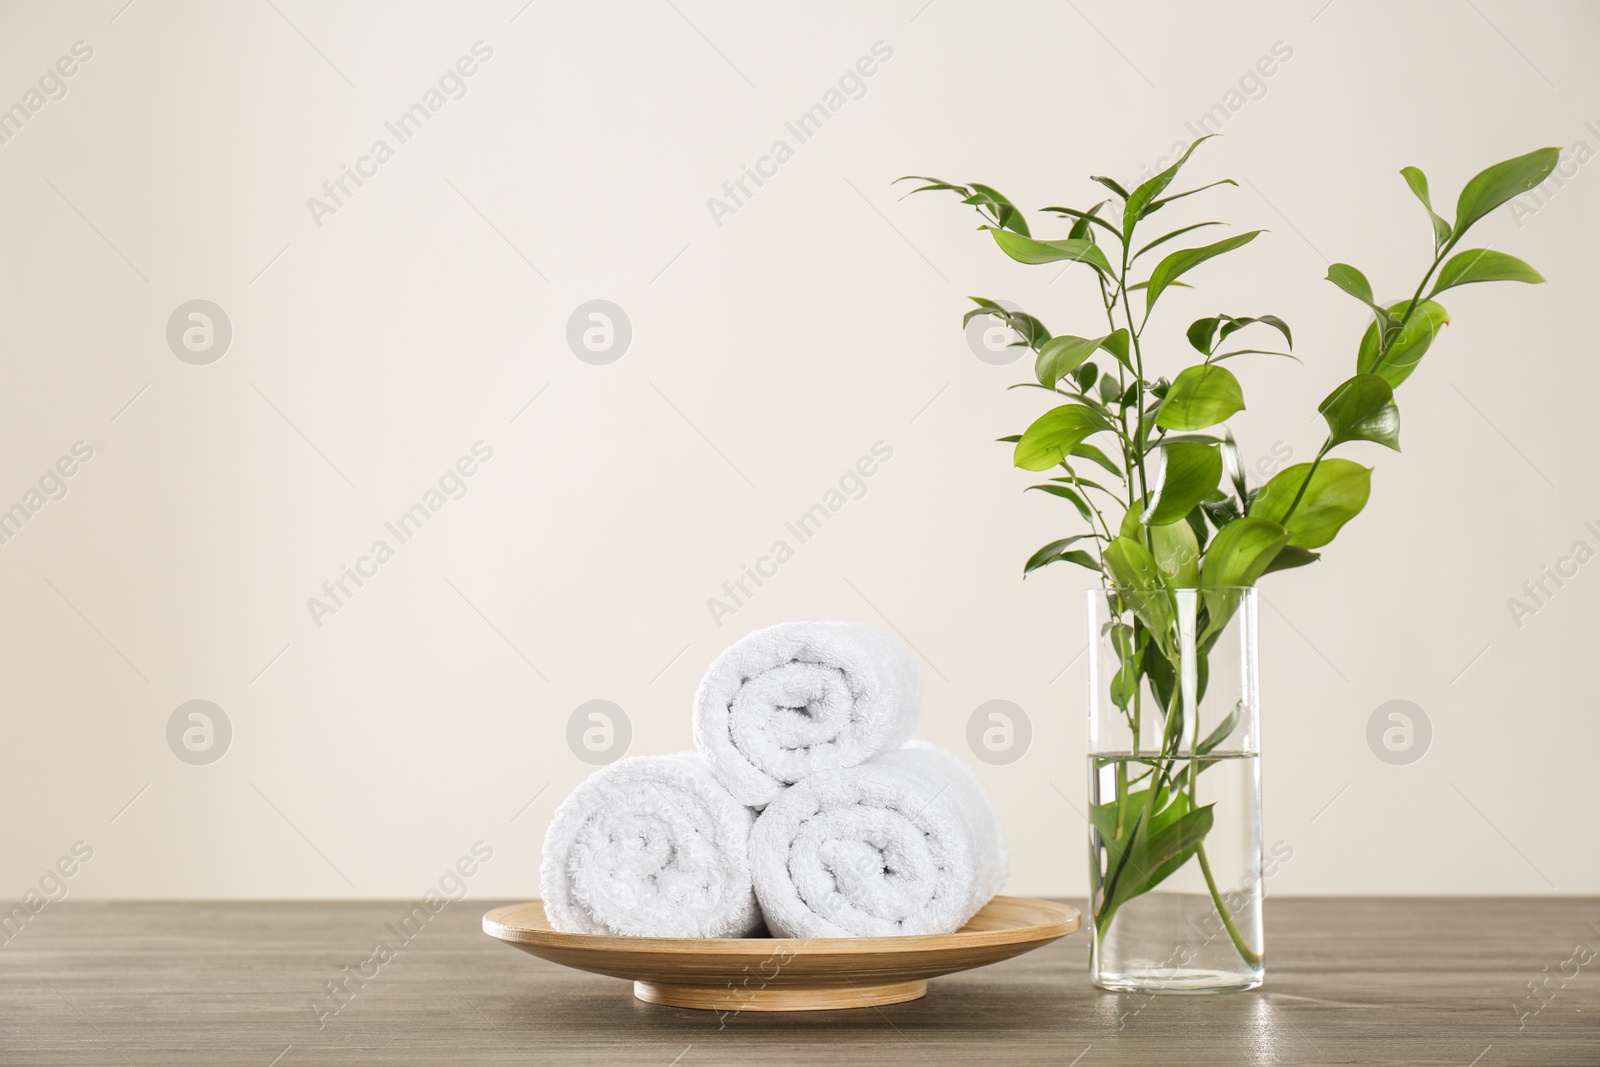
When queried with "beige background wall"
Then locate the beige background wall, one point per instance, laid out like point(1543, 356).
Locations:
point(429, 312)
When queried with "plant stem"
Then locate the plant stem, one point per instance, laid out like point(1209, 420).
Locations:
point(1386, 344)
point(1137, 692)
point(1138, 371)
point(1306, 483)
point(1109, 300)
point(1249, 955)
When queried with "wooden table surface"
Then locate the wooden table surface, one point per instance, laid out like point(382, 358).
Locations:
point(1390, 981)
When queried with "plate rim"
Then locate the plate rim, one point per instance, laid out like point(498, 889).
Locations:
point(1066, 920)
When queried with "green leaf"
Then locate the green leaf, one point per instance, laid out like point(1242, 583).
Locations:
point(1124, 684)
point(1103, 817)
point(1362, 409)
point(1408, 347)
point(1254, 352)
point(1109, 389)
point(1005, 212)
point(1241, 552)
point(1189, 472)
point(1200, 396)
point(1232, 325)
point(1077, 482)
point(996, 312)
point(1139, 203)
point(1290, 557)
point(1068, 493)
point(1094, 455)
point(1176, 550)
point(1131, 564)
point(1027, 250)
point(933, 183)
point(1029, 330)
point(1233, 464)
point(1157, 854)
point(1196, 521)
point(1157, 205)
point(1494, 186)
point(1164, 238)
point(1056, 552)
point(1109, 184)
point(1353, 282)
point(1061, 355)
point(1157, 670)
point(1221, 510)
point(1116, 343)
point(1220, 734)
point(1141, 585)
point(1120, 823)
point(1082, 559)
point(1202, 334)
point(1484, 265)
point(1080, 229)
point(1054, 434)
point(1186, 259)
point(1336, 494)
point(1419, 185)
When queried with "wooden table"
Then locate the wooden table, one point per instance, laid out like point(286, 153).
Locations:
point(1390, 981)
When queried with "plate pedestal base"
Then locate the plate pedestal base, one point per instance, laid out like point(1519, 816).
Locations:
point(733, 997)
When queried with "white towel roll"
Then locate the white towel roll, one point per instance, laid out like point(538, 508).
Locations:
point(650, 846)
point(801, 697)
point(906, 843)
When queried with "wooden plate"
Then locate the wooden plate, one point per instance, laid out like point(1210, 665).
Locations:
point(788, 974)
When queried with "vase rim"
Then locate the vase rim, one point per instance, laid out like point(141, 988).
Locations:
point(1170, 589)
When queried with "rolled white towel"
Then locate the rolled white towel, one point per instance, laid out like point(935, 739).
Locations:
point(906, 843)
point(650, 846)
point(801, 697)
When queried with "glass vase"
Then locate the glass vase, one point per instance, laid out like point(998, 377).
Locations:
point(1174, 790)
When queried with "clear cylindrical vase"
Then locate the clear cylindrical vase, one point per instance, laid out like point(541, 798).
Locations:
point(1174, 790)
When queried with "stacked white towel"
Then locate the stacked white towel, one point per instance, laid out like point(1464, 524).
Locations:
point(906, 843)
point(798, 698)
point(804, 805)
point(651, 846)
